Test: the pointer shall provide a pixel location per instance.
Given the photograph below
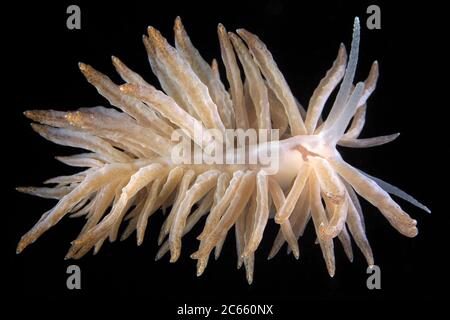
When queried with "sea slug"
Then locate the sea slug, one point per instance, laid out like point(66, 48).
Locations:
point(291, 173)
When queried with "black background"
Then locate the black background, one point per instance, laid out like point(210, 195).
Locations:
point(41, 72)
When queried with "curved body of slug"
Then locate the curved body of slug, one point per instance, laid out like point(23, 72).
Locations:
point(131, 172)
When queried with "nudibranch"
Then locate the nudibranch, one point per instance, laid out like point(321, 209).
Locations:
point(130, 171)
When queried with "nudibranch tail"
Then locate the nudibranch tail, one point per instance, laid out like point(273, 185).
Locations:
point(131, 168)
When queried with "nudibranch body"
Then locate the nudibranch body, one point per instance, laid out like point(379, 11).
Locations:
point(293, 172)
